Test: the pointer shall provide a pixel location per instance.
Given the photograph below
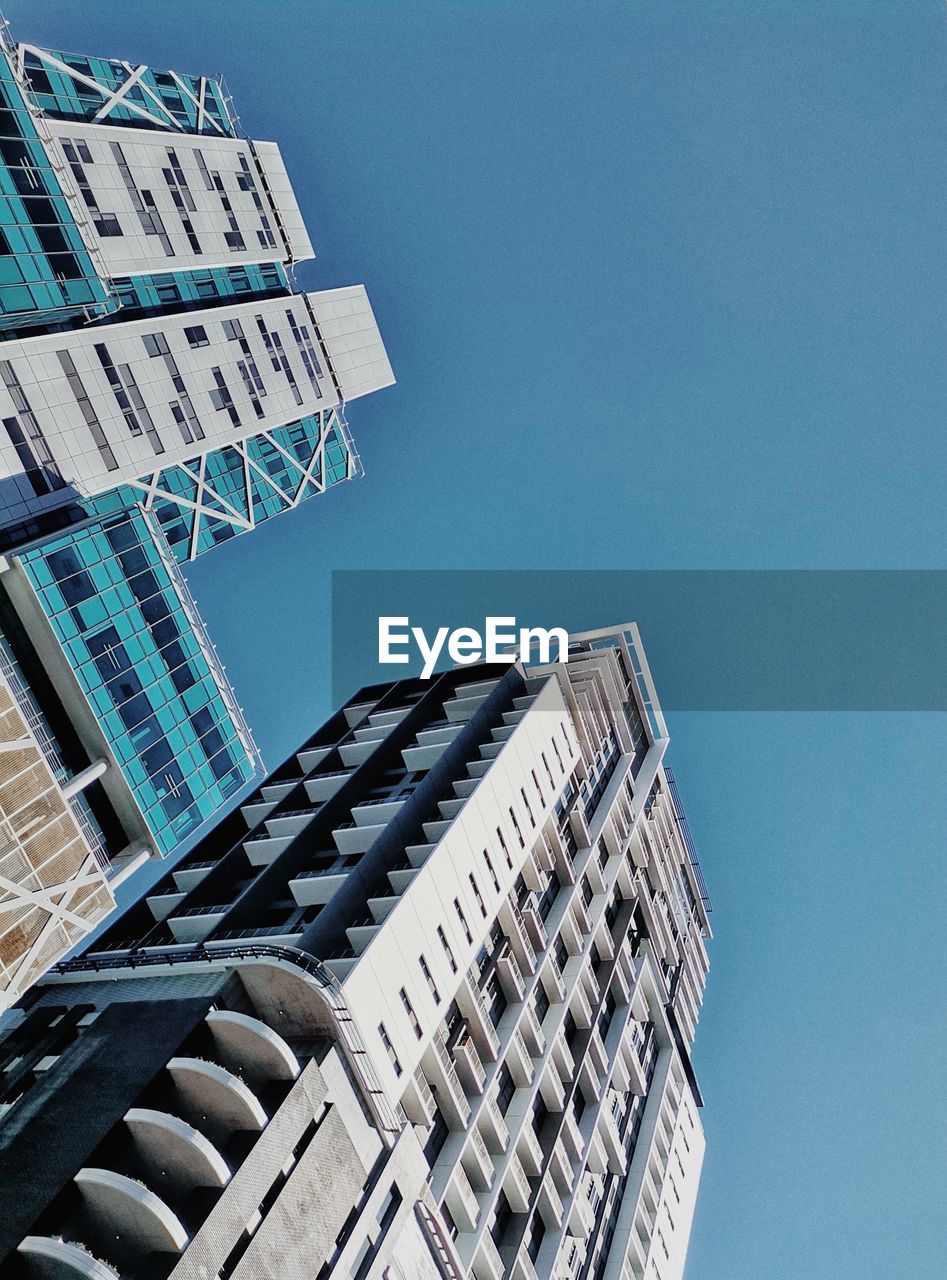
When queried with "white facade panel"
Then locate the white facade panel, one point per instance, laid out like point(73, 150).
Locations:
point(214, 384)
point(167, 202)
point(277, 182)
point(350, 332)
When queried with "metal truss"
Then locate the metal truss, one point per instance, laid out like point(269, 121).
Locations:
point(252, 493)
point(156, 113)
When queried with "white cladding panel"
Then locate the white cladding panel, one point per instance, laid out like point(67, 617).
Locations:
point(165, 202)
point(284, 394)
point(392, 958)
point(281, 190)
point(350, 332)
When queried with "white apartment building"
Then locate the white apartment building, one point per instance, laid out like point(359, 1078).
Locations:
point(496, 868)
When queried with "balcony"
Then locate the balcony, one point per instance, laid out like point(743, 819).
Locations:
point(611, 1141)
point(590, 1082)
point(315, 888)
point(550, 1086)
point(572, 1137)
point(520, 943)
point(461, 1201)
point(560, 1167)
point(549, 1203)
point(469, 1067)
point(516, 1185)
point(579, 1006)
point(356, 838)
point(571, 934)
point(562, 1057)
point(579, 827)
point(250, 1048)
point(552, 981)
point(597, 1158)
point(493, 1126)
point(197, 923)
point(565, 867)
point(580, 911)
point(418, 1100)
point(123, 1208)
point(531, 873)
point(354, 753)
point(597, 1056)
point(215, 1099)
point(162, 904)
point(450, 1093)
point(519, 1061)
point(508, 971)
point(487, 1265)
point(176, 1157)
point(529, 1150)
point(263, 850)
point(308, 760)
point(477, 1161)
point(423, 755)
point(532, 1033)
point(472, 1006)
point(323, 786)
point(50, 1257)
point(581, 1218)
point(535, 928)
point(189, 875)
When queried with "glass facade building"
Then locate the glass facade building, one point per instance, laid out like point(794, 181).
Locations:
point(143, 660)
point(46, 270)
point(164, 387)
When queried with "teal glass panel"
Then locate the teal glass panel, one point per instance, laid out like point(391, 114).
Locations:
point(46, 273)
point(60, 85)
point(120, 610)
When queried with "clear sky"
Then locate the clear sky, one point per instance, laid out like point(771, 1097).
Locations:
point(662, 283)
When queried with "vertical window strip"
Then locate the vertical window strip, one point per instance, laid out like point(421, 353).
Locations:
point(77, 388)
point(31, 445)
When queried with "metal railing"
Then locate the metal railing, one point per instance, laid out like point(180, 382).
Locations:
point(389, 1121)
point(681, 819)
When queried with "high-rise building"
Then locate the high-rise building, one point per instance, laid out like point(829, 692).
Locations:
point(154, 342)
point(494, 873)
point(122, 732)
point(163, 388)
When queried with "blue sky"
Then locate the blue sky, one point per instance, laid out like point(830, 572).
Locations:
point(662, 284)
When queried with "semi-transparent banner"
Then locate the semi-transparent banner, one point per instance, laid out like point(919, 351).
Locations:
point(716, 640)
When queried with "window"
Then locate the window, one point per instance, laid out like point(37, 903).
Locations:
point(389, 1049)
point(516, 828)
point(529, 811)
point(429, 979)
point(409, 1010)
point(463, 921)
point(506, 852)
point(478, 895)
point(506, 1087)
point(540, 1003)
point(542, 757)
point(156, 344)
point(493, 875)
point(447, 951)
point(539, 790)
point(196, 335)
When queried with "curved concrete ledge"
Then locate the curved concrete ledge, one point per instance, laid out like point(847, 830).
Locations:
point(216, 1095)
point(52, 1259)
point(129, 1210)
point(174, 1152)
point(248, 1045)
